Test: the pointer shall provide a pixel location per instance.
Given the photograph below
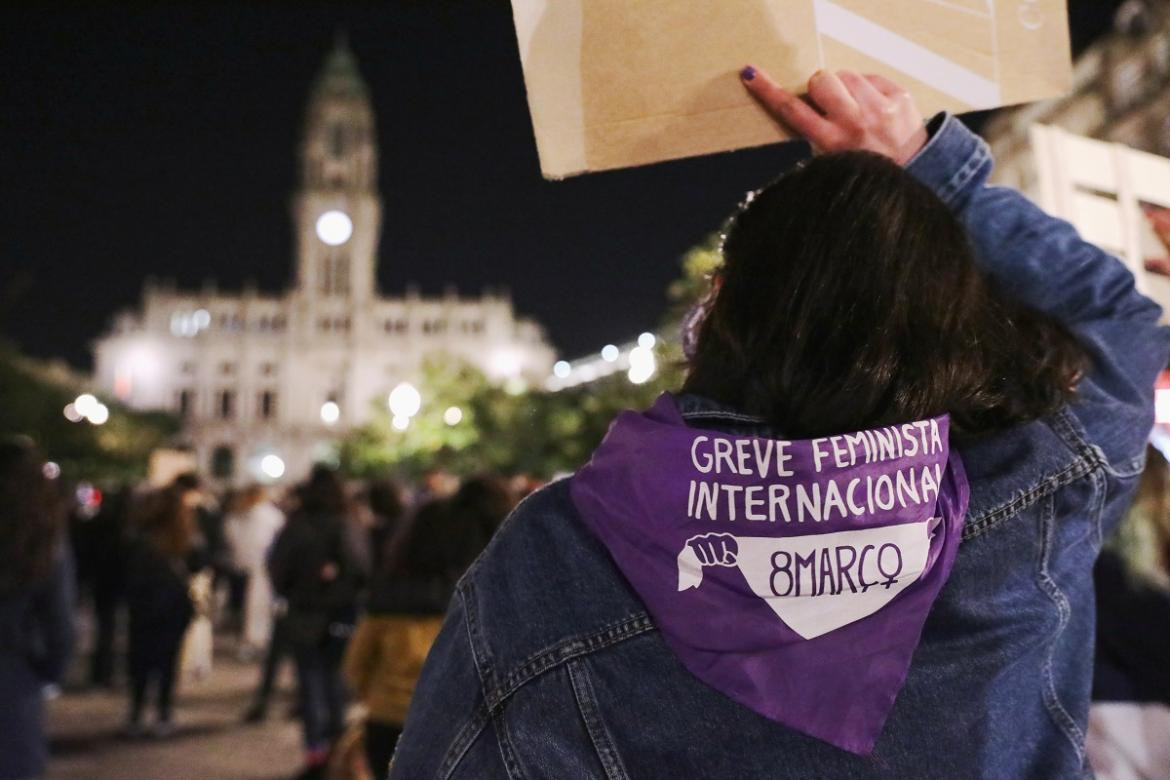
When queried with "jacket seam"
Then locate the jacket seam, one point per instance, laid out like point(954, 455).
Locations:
point(562, 652)
point(724, 415)
point(463, 741)
point(599, 735)
point(507, 750)
point(482, 715)
point(1063, 720)
point(1087, 459)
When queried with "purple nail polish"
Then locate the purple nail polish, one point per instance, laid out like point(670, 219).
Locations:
point(748, 73)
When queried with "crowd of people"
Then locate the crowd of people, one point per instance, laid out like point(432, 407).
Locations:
point(349, 581)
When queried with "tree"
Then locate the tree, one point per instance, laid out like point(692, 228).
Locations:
point(532, 431)
point(32, 397)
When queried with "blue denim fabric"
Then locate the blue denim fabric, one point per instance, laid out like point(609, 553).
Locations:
point(549, 667)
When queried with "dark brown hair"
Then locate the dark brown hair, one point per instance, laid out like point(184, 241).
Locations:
point(31, 516)
point(165, 521)
point(850, 299)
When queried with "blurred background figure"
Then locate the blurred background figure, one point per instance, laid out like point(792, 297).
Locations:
point(408, 597)
point(167, 550)
point(1129, 723)
point(316, 567)
point(106, 549)
point(250, 527)
point(36, 600)
point(387, 513)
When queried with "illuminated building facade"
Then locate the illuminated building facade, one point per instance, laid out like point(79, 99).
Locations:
point(265, 383)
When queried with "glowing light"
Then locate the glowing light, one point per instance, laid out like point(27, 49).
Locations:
point(330, 412)
point(99, 414)
point(453, 415)
point(334, 227)
point(1162, 406)
point(562, 368)
point(505, 363)
point(84, 404)
point(51, 470)
point(400, 422)
point(609, 353)
point(642, 365)
point(404, 401)
point(515, 386)
point(272, 466)
point(201, 318)
point(647, 341)
point(71, 413)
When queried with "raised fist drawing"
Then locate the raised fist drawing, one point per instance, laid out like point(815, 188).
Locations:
point(715, 549)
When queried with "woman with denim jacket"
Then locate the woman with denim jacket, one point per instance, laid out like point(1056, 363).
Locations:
point(860, 543)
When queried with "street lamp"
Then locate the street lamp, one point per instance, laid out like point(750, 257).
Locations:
point(404, 401)
point(330, 412)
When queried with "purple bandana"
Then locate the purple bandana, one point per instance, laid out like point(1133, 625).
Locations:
point(792, 576)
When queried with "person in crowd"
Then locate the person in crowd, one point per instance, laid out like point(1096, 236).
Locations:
point(250, 527)
point(407, 599)
point(860, 542)
point(166, 551)
point(279, 649)
point(36, 603)
point(107, 549)
point(1130, 719)
point(316, 569)
point(388, 510)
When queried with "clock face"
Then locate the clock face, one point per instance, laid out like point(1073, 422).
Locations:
point(334, 227)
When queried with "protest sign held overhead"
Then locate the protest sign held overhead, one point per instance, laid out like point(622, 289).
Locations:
point(614, 84)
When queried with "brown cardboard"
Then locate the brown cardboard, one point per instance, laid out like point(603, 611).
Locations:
point(618, 83)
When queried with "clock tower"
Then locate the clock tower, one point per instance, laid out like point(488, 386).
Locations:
point(337, 212)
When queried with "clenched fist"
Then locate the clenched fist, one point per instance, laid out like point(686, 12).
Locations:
point(715, 549)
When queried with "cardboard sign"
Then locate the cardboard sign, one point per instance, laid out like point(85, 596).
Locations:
point(618, 83)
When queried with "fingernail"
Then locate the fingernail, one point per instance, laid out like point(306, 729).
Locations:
point(748, 73)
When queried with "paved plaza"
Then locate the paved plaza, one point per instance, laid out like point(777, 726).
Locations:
point(210, 742)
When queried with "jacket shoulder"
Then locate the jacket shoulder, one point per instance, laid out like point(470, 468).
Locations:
point(544, 591)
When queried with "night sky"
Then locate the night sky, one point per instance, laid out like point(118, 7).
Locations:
point(162, 141)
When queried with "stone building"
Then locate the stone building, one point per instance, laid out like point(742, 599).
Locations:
point(265, 383)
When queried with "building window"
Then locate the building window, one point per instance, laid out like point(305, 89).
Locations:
point(226, 404)
point(187, 367)
point(278, 323)
point(267, 369)
point(266, 405)
point(223, 462)
point(336, 140)
point(185, 402)
point(227, 369)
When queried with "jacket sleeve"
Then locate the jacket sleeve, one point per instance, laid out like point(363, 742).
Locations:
point(1043, 262)
point(54, 615)
point(360, 657)
point(449, 731)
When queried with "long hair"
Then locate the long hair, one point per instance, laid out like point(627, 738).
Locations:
point(31, 516)
point(323, 495)
point(166, 523)
point(850, 299)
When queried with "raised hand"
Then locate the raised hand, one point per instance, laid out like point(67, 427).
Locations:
point(845, 111)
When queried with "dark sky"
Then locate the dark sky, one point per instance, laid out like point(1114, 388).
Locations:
point(141, 140)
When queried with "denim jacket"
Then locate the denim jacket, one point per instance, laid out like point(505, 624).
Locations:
point(548, 665)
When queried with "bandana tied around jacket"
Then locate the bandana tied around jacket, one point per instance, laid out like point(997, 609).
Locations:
point(793, 576)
